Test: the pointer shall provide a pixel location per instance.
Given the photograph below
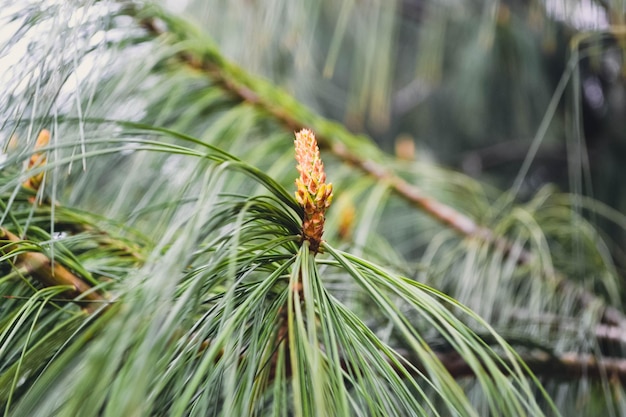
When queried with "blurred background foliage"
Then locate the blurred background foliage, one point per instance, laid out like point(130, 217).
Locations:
point(467, 84)
point(509, 112)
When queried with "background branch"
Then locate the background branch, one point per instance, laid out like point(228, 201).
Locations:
point(50, 273)
point(565, 367)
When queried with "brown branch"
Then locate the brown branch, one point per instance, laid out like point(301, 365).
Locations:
point(608, 337)
point(50, 273)
point(612, 335)
point(566, 367)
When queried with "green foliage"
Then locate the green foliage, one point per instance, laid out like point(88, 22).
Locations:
point(168, 193)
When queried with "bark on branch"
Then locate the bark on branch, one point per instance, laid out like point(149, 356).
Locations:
point(50, 273)
point(566, 367)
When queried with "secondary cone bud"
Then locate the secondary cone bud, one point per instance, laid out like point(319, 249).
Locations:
point(38, 159)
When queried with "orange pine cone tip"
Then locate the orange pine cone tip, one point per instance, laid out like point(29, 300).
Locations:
point(312, 193)
point(37, 159)
point(43, 139)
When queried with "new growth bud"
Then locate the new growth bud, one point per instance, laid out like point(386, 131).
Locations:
point(312, 193)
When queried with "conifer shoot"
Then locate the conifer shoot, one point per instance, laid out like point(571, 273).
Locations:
point(312, 193)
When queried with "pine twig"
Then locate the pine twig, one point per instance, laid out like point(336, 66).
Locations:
point(50, 273)
point(566, 367)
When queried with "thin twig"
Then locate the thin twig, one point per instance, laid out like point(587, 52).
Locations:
point(609, 337)
point(233, 80)
point(50, 273)
point(566, 367)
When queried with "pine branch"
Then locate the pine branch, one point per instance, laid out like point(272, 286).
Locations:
point(565, 367)
point(609, 338)
point(542, 361)
point(50, 273)
point(356, 150)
